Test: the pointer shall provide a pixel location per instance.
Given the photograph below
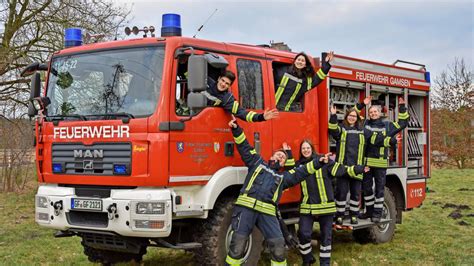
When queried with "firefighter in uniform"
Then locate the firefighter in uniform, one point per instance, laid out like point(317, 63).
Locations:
point(218, 94)
point(318, 202)
point(292, 82)
point(377, 158)
point(351, 139)
point(259, 196)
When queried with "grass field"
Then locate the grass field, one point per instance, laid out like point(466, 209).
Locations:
point(426, 237)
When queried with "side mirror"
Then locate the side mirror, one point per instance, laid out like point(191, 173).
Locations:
point(32, 68)
point(216, 61)
point(197, 73)
point(34, 93)
point(196, 101)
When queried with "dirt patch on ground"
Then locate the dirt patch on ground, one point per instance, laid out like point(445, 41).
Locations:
point(466, 189)
point(454, 206)
point(463, 223)
point(455, 215)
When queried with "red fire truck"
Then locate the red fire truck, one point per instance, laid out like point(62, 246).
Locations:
point(129, 156)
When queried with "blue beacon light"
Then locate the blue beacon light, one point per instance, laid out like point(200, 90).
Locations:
point(171, 25)
point(72, 37)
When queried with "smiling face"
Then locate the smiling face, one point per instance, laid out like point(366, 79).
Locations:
point(223, 83)
point(280, 157)
point(300, 62)
point(352, 118)
point(306, 150)
point(374, 112)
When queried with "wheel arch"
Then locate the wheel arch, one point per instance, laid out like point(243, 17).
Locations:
point(395, 185)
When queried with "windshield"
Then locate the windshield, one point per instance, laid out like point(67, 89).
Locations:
point(123, 81)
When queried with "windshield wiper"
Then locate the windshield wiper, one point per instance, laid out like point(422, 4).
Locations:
point(56, 118)
point(126, 116)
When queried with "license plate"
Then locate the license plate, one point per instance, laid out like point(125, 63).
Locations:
point(86, 204)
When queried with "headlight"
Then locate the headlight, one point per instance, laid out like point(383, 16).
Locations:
point(150, 208)
point(41, 202)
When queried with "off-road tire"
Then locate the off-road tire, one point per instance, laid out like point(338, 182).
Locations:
point(212, 234)
point(380, 234)
point(109, 257)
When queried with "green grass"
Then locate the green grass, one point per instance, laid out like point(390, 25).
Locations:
point(427, 236)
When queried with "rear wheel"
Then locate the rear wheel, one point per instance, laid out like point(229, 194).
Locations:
point(380, 233)
point(215, 234)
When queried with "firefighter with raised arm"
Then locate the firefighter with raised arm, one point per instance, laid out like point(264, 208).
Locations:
point(259, 197)
point(351, 139)
point(292, 82)
point(218, 94)
point(318, 201)
point(377, 157)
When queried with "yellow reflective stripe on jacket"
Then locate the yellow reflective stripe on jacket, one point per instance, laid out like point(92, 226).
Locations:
point(240, 138)
point(250, 116)
point(377, 162)
point(386, 142)
point(253, 151)
point(321, 187)
point(357, 109)
point(332, 126)
point(281, 88)
point(304, 188)
point(275, 195)
point(321, 74)
point(290, 162)
point(235, 107)
point(360, 155)
point(292, 171)
point(334, 169)
point(373, 138)
point(292, 98)
point(310, 167)
point(252, 179)
point(342, 147)
point(403, 115)
point(260, 206)
point(310, 83)
point(278, 263)
point(396, 125)
point(318, 206)
point(352, 173)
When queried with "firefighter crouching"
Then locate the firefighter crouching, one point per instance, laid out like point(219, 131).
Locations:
point(259, 196)
point(377, 158)
point(318, 201)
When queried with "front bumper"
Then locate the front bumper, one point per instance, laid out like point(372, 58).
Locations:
point(53, 210)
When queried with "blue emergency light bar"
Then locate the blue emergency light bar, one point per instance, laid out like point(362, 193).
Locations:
point(170, 25)
point(72, 37)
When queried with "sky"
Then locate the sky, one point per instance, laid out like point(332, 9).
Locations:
point(427, 32)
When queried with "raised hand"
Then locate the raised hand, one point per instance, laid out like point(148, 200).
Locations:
point(286, 147)
point(232, 123)
point(325, 158)
point(270, 114)
point(333, 109)
point(368, 100)
point(401, 100)
point(330, 56)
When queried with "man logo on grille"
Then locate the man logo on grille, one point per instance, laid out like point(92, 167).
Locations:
point(88, 153)
point(88, 165)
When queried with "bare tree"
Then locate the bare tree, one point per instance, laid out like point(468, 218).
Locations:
point(453, 115)
point(34, 29)
point(454, 89)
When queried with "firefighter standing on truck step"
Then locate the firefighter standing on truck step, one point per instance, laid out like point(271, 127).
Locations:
point(351, 138)
point(318, 201)
point(294, 81)
point(218, 94)
point(377, 158)
point(259, 196)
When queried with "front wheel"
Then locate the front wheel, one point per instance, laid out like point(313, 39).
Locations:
point(380, 233)
point(215, 234)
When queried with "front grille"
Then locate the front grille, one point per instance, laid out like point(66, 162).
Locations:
point(92, 219)
point(96, 159)
point(104, 240)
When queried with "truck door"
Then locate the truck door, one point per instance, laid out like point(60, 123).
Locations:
point(295, 125)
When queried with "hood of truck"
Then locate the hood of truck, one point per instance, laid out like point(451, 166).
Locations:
point(98, 152)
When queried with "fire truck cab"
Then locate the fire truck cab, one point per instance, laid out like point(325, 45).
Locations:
point(129, 156)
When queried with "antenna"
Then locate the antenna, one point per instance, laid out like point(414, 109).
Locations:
point(200, 28)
